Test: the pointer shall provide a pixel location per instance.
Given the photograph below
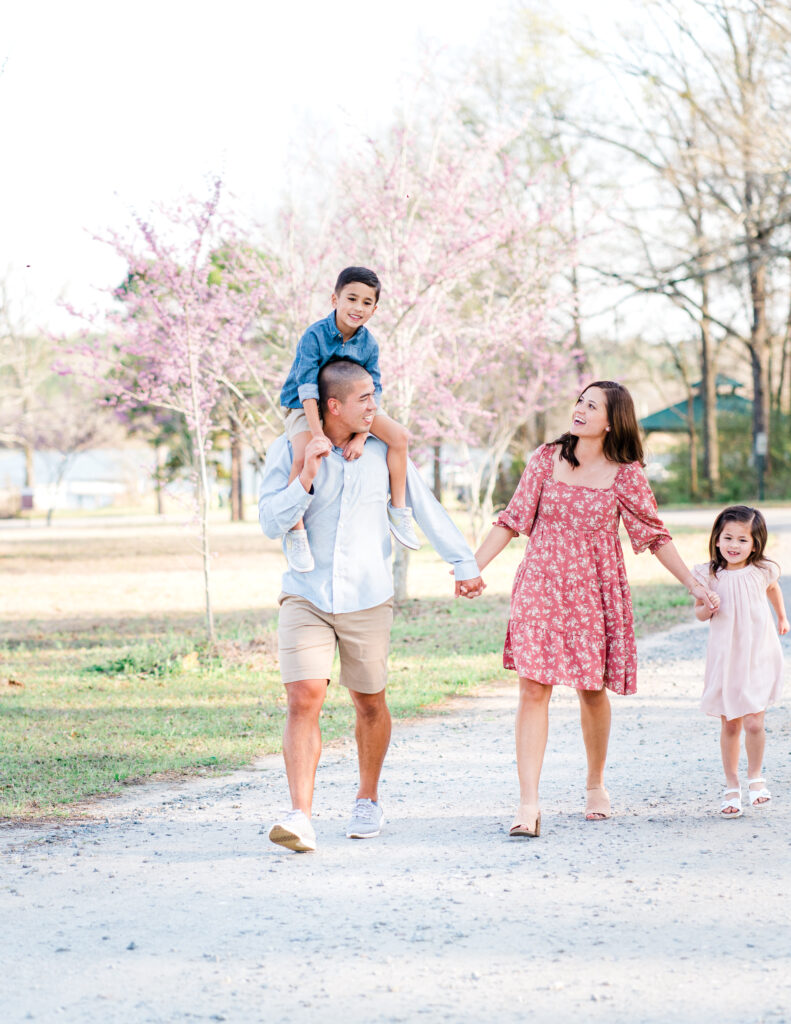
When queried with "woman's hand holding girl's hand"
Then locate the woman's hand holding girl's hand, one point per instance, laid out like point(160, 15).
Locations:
point(709, 598)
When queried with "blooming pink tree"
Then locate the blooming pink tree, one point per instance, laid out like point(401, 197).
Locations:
point(470, 259)
point(180, 340)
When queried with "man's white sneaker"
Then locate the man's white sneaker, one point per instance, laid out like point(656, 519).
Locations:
point(295, 832)
point(297, 549)
point(401, 527)
point(367, 820)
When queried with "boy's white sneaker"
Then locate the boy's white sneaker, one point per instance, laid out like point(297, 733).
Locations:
point(295, 832)
point(401, 526)
point(297, 550)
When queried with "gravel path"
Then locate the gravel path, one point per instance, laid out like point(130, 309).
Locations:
point(175, 907)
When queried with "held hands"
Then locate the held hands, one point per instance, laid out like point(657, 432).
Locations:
point(708, 597)
point(354, 448)
point(470, 588)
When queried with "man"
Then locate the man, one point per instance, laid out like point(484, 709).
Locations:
point(347, 598)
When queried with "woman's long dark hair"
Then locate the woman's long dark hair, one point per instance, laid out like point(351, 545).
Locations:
point(622, 442)
point(738, 514)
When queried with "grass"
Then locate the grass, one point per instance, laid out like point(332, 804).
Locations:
point(106, 680)
point(91, 718)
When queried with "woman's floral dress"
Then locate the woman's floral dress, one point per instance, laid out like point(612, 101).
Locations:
point(571, 609)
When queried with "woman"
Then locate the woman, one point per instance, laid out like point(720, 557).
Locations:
point(571, 609)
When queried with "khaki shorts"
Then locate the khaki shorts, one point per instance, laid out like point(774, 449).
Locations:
point(296, 422)
point(307, 637)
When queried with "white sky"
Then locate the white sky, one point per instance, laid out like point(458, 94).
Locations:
point(108, 106)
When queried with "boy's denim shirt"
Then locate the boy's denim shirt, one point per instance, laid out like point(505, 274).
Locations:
point(320, 343)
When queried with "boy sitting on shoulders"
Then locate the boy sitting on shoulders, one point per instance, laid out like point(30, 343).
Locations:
point(343, 335)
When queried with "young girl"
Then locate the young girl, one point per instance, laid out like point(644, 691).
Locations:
point(744, 662)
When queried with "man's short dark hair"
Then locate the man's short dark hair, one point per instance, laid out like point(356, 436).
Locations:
point(337, 379)
point(353, 275)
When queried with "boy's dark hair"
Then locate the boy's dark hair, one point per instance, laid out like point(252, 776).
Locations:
point(622, 443)
point(738, 514)
point(336, 380)
point(353, 275)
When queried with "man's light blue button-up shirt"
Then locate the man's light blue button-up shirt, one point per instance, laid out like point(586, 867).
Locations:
point(346, 520)
point(320, 343)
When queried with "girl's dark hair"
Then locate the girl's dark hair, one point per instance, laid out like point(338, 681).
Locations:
point(738, 514)
point(622, 442)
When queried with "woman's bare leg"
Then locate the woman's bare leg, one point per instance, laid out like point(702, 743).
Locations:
point(595, 718)
point(532, 728)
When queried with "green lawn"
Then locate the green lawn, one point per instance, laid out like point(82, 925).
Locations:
point(105, 636)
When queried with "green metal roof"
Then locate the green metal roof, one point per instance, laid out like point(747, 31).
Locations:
point(674, 418)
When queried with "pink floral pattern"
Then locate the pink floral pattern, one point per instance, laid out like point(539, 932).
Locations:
point(571, 608)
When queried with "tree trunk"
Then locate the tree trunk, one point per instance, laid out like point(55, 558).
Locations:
point(581, 355)
point(437, 485)
point(199, 443)
point(779, 397)
point(784, 384)
point(160, 455)
point(30, 472)
point(400, 570)
point(237, 503)
point(694, 485)
point(759, 350)
point(541, 428)
point(785, 402)
point(708, 394)
point(203, 499)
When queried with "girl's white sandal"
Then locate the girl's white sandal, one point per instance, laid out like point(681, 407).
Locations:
point(735, 802)
point(763, 795)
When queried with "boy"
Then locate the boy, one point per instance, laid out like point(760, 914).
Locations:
point(343, 334)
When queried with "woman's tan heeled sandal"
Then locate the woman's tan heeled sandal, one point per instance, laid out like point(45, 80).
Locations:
point(521, 828)
point(598, 803)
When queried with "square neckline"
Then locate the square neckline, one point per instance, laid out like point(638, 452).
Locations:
point(584, 487)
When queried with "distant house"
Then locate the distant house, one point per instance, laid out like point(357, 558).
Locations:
point(675, 418)
point(85, 480)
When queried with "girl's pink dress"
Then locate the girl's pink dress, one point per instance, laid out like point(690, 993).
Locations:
point(744, 661)
point(571, 609)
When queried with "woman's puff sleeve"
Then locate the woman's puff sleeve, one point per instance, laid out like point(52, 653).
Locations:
point(520, 513)
point(637, 506)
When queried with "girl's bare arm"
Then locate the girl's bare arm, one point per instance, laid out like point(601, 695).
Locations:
point(775, 595)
